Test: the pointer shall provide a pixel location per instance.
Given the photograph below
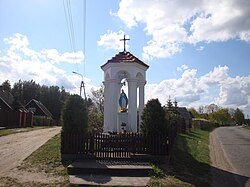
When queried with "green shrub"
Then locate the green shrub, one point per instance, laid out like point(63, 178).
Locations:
point(153, 119)
point(74, 116)
point(203, 124)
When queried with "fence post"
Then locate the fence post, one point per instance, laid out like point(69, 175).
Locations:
point(92, 145)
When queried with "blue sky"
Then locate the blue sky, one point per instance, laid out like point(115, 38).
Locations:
point(198, 52)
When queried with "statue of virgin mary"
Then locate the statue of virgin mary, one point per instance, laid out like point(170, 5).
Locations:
point(123, 102)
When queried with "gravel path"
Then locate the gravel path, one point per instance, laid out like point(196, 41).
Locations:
point(15, 148)
point(230, 155)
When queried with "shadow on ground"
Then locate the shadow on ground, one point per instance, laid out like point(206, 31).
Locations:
point(188, 169)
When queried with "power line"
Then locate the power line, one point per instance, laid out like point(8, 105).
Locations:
point(67, 23)
point(84, 33)
point(71, 34)
point(70, 26)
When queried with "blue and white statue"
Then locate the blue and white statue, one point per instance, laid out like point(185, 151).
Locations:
point(123, 102)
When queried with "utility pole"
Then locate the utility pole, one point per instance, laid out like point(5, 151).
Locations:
point(82, 85)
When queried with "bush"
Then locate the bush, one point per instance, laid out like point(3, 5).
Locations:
point(203, 124)
point(153, 119)
point(39, 121)
point(74, 115)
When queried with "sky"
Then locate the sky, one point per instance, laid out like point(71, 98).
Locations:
point(198, 51)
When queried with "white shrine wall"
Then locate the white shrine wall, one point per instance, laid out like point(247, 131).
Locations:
point(135, 75)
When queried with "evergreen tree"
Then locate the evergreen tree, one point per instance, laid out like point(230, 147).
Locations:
point(239, 116)
point(6, 86)
point(75, 115)
point(153, 119)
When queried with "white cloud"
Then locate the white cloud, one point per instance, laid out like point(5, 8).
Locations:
point(200, 48)
point(182, 67)
point(54, 56)
point(111, 40)
point(19, 61)
point(19, 48)
point(214, 87)
point(235, 91)
point(172, 23)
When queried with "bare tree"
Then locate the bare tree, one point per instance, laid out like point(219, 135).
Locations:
point(97, 97)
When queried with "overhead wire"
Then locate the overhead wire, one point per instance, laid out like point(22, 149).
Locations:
point(70, 27)
point(67, 23)
point(84, 41)
point(71, 33)
point(84, 34)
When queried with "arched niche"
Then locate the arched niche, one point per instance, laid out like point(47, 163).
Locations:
point(107, 76)
point(122, 75)
point(139, 76)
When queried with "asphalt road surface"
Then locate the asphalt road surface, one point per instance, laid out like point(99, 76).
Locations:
point(231, 155)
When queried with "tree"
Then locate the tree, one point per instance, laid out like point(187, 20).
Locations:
point(6, 86)
point(153, 119)
point(194, 112)
point(95, 122)
point(222, 117)
point(52, 97)
point(30, 90)
point(16, 104)
point(98, 98)
point(201, 109)
point(75, 115)
point(212, 108)
point(239, 116)
point(17, 91)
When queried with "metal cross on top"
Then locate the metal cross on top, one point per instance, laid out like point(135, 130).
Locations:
point(124, 42)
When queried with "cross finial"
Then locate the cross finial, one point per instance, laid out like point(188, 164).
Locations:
point(124, 42)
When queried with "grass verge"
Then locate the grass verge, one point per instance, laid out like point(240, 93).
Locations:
point(190, 162)
point(4, 132)
point(159, 177)
point(47, 159)
point(247, 127)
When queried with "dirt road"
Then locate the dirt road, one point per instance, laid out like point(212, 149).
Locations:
point(15, 148)
point(230, 155)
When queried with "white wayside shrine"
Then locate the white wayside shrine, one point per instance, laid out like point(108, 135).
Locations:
point(120, 110)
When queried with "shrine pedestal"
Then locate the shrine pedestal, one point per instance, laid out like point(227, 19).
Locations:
point(122, 122)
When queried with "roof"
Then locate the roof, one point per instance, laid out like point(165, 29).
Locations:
point(41, 106)
point(6, 96)
point(125, 57)
point(184, 112)
point(5, 103)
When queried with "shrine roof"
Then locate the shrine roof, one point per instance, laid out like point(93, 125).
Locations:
point(125, 57)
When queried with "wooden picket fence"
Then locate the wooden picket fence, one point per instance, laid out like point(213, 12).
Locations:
point(116, 146)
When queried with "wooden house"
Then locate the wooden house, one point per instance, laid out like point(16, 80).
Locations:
point(10, 117)
point(42, 116)
point(186, 115)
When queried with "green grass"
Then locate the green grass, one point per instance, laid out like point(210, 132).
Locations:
point(247, 127)
point(4, 132)
point(190, 162)
point(159, 177)
point(47, 159)
point(191, 159)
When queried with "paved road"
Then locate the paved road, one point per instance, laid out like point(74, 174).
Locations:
point(15, 148)
point(235, 148)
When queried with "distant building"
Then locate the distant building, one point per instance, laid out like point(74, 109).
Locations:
point(6, 99)
point(186, 115)
point(42, 116)
point(9, 117)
